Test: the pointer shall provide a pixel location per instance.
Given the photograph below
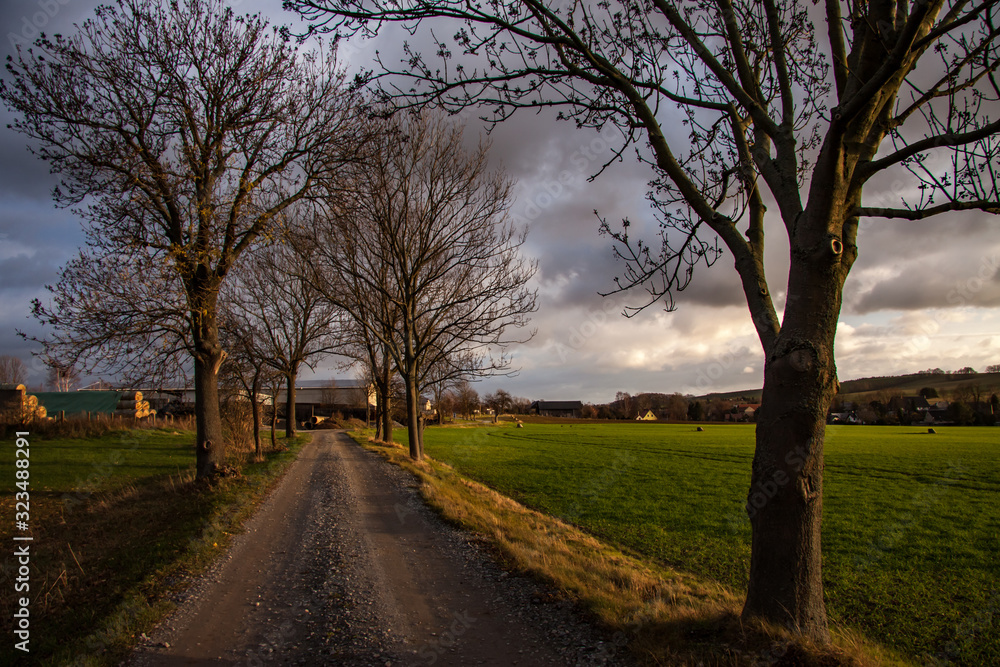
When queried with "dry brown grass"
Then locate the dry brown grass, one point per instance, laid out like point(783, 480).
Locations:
point(663, 616)
point(94, 426)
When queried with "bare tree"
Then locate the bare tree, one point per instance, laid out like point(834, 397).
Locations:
point(521, 405)
point(424, 226)
point(467, 399)
point(181, 131)
point(246, 368)
point(624, 402)
point(379, 369)
point(369, 310)
point(440, 379)
point(446, 405)
point(770, 114)
point(61, 376)
point(12, 370)
point(676, 407)
point(499, 402)
point(291, 323)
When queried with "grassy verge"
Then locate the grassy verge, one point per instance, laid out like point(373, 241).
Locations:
point(119, 523)
point(664, 616)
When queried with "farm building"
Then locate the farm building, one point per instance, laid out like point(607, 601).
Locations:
point(849, 417)
point(557, 408)
point(312, 397)
point(743, 413)
point(351, 398)
point(646, 416)
point(909, 404)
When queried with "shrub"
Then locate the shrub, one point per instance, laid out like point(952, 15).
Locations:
point(237, 428)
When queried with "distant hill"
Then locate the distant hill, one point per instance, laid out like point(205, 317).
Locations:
point(904, 385)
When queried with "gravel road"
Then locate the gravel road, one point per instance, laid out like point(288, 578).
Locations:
point(345, 565)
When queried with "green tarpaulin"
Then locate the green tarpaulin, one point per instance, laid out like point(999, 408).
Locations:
point(79, 402)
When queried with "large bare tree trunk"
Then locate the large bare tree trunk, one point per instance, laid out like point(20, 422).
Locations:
point(785, 501)
point(210, 447)
point(274, 421)
point(290, 416)
point(387, 419)
point(413, 418)
point(256, 416)
point(386, 398)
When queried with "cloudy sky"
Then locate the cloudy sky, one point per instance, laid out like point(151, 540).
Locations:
point(922, 294)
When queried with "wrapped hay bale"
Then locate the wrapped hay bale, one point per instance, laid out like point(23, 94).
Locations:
point(12, 396)
point(131, 405)
point(16, 405)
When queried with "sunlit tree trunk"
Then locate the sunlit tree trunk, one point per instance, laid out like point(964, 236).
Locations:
point(256, 416)
point(210, 447)
point(413, 418)
point(785, 500)
point(290, 418)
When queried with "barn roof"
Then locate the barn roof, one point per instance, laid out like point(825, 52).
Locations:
point(558, 405)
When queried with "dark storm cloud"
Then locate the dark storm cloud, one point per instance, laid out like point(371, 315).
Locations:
point(36, 227)
point(25, 271)
point(945, 283)
point(941, 264)
point(21, 173)
point(21, 22)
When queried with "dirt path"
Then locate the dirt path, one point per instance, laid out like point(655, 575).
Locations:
point(344, 565)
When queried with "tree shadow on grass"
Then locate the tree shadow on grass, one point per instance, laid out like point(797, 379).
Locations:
point(720, 638)
point(99, 567)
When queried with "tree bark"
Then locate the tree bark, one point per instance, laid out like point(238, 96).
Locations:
point(387, 419)
point(386, 401)
point(290, 417)
point(255, 412)
point(413, 417)
point(210, 447)
point(274, 421)
point(785, 501)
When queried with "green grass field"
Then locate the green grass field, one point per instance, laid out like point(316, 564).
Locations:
point(911, 521)
point(116, 458)
point(117, 524)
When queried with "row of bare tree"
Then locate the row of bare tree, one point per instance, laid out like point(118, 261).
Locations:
point(417, 250)
point(245, 205)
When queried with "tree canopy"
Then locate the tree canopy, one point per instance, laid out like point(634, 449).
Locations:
point(420, 252)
